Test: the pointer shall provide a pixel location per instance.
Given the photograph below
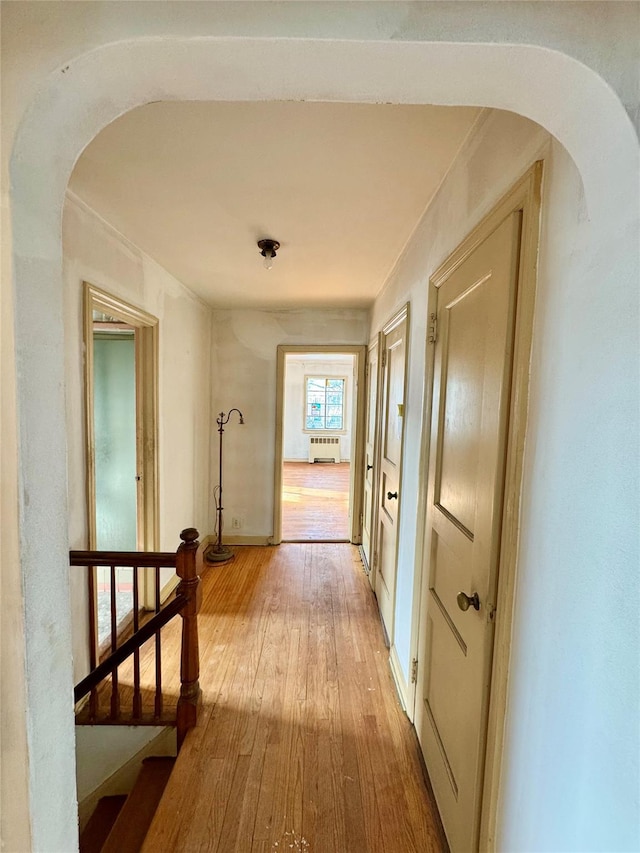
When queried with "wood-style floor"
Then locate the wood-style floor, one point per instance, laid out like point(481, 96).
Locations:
point(301, 743)
point(315, 501)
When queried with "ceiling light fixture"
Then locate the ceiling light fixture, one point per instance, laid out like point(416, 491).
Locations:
point(268, 249)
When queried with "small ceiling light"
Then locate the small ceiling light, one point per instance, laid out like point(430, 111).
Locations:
point(268, 249)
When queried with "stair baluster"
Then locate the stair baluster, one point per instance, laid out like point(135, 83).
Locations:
point(187, 562)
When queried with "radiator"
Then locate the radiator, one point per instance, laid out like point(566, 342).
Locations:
point(324, 448)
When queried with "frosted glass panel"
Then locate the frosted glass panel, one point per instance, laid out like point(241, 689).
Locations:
point(115, 441)
point(115, 461)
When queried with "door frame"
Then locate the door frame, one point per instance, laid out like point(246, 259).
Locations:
point(357, 463)
point(524, 196)
point(370, 564)
point(147, 380)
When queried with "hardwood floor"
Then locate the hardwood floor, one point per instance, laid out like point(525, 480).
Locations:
point(301, 744)
point(315, 501)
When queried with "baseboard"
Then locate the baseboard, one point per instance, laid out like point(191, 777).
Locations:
point(398, 677)
point(363, 558)
point(122, 781)
point(237, 539)
point(306, 459)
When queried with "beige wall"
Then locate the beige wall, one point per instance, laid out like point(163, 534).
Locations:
point(244, 376)
point(95, 252)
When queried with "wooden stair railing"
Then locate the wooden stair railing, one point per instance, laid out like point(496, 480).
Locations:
point(187, 562)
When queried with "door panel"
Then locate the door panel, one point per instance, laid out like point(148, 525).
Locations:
point(461, 407)
point(472, 368)
point(391, 436)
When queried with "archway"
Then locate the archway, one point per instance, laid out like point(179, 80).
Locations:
point(571, 101)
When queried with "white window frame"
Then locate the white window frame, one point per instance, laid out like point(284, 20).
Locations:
point(331, 430)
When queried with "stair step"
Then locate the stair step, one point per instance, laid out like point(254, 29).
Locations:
point(100, 823)
point(130, 828)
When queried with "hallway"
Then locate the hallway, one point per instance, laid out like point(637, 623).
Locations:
point(301, 743)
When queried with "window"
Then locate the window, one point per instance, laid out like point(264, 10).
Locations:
point(324, 403)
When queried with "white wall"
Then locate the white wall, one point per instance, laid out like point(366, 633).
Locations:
point(295, 439)
point(95, 252)
point(571, 778)
point(244, 376)
point(573, 743)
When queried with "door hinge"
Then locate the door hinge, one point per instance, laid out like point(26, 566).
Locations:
point(384, 358)
point(375, 559)
point(361, 519)
point(414, 670)
point(433, 329)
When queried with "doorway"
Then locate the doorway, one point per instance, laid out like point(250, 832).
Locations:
point(318, 494)
point(121, 453)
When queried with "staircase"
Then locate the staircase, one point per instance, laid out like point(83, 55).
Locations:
point(120, 823)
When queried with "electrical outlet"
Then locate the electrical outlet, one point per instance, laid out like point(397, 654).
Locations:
point(237, 523)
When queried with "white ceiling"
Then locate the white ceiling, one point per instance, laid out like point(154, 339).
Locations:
point(341, 186)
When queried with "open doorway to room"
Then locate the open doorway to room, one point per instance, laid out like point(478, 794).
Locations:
point(121, 454)
point(318, 445)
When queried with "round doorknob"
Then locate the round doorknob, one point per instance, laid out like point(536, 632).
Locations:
point(369, 467)
point(466, 601)
point(392, 496)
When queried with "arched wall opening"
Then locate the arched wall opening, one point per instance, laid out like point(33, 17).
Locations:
point(568, 99)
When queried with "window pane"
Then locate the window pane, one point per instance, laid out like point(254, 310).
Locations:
point(324, 403)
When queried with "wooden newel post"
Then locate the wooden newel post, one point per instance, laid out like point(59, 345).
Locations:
point(188, 568)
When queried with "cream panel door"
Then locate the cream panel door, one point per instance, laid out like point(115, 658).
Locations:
point(370, 482)
point(473, 358)
point(391, 436)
